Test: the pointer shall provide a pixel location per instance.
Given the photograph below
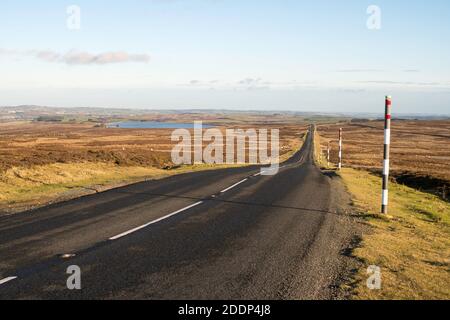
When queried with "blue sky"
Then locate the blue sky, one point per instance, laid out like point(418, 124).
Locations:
point(236, 54)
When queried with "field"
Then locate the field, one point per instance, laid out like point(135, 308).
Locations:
point(420, 150)
point(43, 161)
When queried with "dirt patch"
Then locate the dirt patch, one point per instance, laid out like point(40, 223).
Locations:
point(427, 183)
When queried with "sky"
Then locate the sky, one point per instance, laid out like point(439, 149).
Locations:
point(320, 56)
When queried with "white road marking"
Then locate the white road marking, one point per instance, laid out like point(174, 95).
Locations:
point(3, 281)
point(154, 221)
point(233, 186)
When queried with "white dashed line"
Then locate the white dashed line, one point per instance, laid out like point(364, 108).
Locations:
point(234, 186)
point(3, 281)
point(154, 221)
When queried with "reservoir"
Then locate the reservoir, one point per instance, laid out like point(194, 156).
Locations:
point(153, 125)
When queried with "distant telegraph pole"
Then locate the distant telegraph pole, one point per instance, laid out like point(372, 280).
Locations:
point(340, 149)
point(387, 143)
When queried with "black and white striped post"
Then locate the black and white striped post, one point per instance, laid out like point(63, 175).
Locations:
point(387, 144)
point(340, 149)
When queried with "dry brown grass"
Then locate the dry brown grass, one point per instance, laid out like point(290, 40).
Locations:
point(23, 188)
point(420, 147)
point(29, 144)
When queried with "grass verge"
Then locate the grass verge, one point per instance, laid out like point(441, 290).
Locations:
point(412, 248)
point(26, 188)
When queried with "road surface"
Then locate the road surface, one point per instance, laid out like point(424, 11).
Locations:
point(222, 234)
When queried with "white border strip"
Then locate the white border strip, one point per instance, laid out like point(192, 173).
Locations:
point(3, 281)
point(385, 197)
point(386, 167)
point(154, 221)
point(234, 186)
point(387, 136)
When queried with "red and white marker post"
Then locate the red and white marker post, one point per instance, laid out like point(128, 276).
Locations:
point(387, 144)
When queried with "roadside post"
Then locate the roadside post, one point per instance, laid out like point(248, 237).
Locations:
point(387, 144)
point(340, 149)
point(328, 155)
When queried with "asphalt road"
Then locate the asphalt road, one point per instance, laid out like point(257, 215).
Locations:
point(222, 234)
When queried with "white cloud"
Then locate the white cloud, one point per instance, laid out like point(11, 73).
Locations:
point(359, 70)
point(75, 57)
point(411, 70)
point(406, 83)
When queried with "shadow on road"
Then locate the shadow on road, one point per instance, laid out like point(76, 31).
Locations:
point(243, 203)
